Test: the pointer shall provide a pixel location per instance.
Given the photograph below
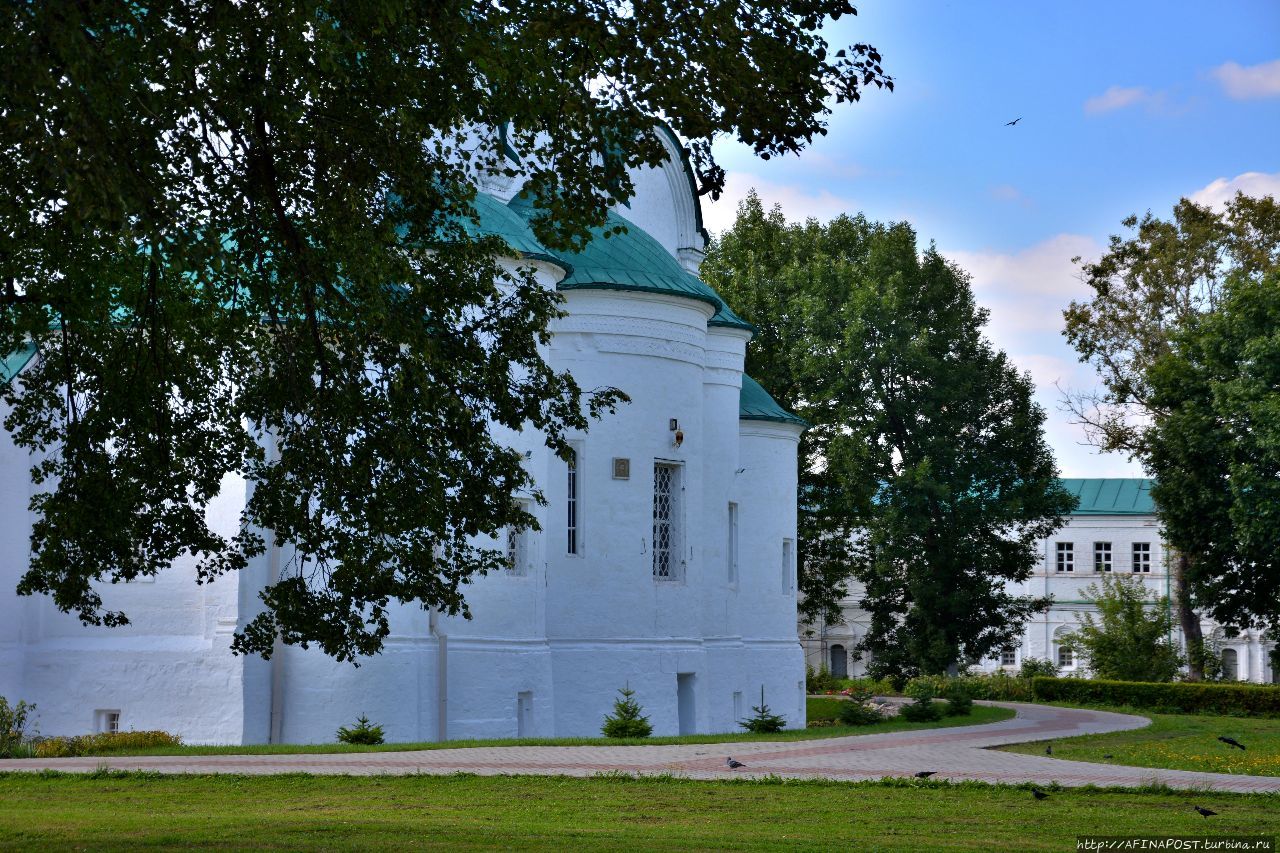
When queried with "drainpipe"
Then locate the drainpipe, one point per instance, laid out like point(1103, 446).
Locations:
point(276, 731)
point(442, 675)
point(277, 659)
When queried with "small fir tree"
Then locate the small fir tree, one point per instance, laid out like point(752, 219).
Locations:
point(763, 721)
point(363, 732)
point(626, 719)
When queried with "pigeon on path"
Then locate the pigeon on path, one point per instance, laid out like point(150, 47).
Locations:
point(925, 774)
point(1205, 812)
point(733, 765)
point(1230, 741)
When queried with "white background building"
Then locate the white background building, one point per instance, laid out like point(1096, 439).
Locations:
point(1114, 529)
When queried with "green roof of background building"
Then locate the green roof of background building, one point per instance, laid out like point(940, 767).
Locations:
point(1111, 496)
point(755, 404)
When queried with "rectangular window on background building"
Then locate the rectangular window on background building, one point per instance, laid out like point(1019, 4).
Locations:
point(1142, 556)
point(1066, 557)
point(1102, 556)
point(733, 544)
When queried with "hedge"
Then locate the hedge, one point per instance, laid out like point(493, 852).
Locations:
point(1253, 700)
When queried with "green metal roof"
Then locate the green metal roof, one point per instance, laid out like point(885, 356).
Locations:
point(725, 316)
point(495, 219)
point(755, 404)
point(632, 260)
point(12, 364)
point(1117, 496)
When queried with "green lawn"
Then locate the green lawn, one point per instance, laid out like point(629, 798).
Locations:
point(1179, 742)
point(471, 812)
point(981, 714)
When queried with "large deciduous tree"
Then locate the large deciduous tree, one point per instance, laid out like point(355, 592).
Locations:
point(926, 476)
point(1217, 452)
point(1147, 288)
point(238, 236)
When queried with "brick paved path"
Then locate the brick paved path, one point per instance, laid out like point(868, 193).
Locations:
point(955, 753)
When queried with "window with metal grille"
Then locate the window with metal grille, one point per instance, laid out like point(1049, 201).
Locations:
point(1142, 556)
point(733, 543)
point(1102, 556)
point(788, 569)
point(1066, 557)
point(518, 546)
point(571, 504)
point(666, 519)
point(1009, 657)
point(1066, 658)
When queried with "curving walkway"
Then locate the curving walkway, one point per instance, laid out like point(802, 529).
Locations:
point(955, 753)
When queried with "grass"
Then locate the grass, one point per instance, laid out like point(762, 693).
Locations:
point(111, 810)
point(1179, 742)
point(981, 714)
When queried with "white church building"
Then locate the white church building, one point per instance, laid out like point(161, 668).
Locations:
point(665, 559)
point(1112, 529)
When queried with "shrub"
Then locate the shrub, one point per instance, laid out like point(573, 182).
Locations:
point(1180, 697)
point(763, 721)
point(626, 719)
point(959, 702)
point(923, 709)
point(1128, 640)
point(820, 681)
point(857, 710)
point(13, 727)
point(363, 733)
point(921, 712)
point(1038, 668)
point(103, 743)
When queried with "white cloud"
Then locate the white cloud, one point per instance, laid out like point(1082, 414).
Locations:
point(1219, 192)
point(1117, 98)
point(1026, 292)
point(1248, 82)
point(797, 204)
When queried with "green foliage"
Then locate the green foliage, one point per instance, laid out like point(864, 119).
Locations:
point(959, 701)
point(627, 719)
point(1035, 667)
point(926, 441)
point(1128, 639)
point(923, 708)
point(763, 721)
point(362, 732)
point(1178, 307)
point(1255, 700)
point(857, 710)
point(104, 743)
point(248, 248)
point(1217, 451)
point(820, 681)
point(13, 727)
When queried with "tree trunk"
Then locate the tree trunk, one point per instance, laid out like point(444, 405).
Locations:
point(1188, 619)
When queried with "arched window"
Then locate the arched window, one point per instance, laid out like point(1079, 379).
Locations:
point(1230, 665)
point(839, 662)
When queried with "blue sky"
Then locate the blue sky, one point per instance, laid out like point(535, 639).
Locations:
point(1125, 106)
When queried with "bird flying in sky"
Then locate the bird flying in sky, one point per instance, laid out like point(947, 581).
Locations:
point(1012, 123)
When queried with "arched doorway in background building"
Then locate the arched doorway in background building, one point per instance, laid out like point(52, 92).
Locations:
point(839, 662)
